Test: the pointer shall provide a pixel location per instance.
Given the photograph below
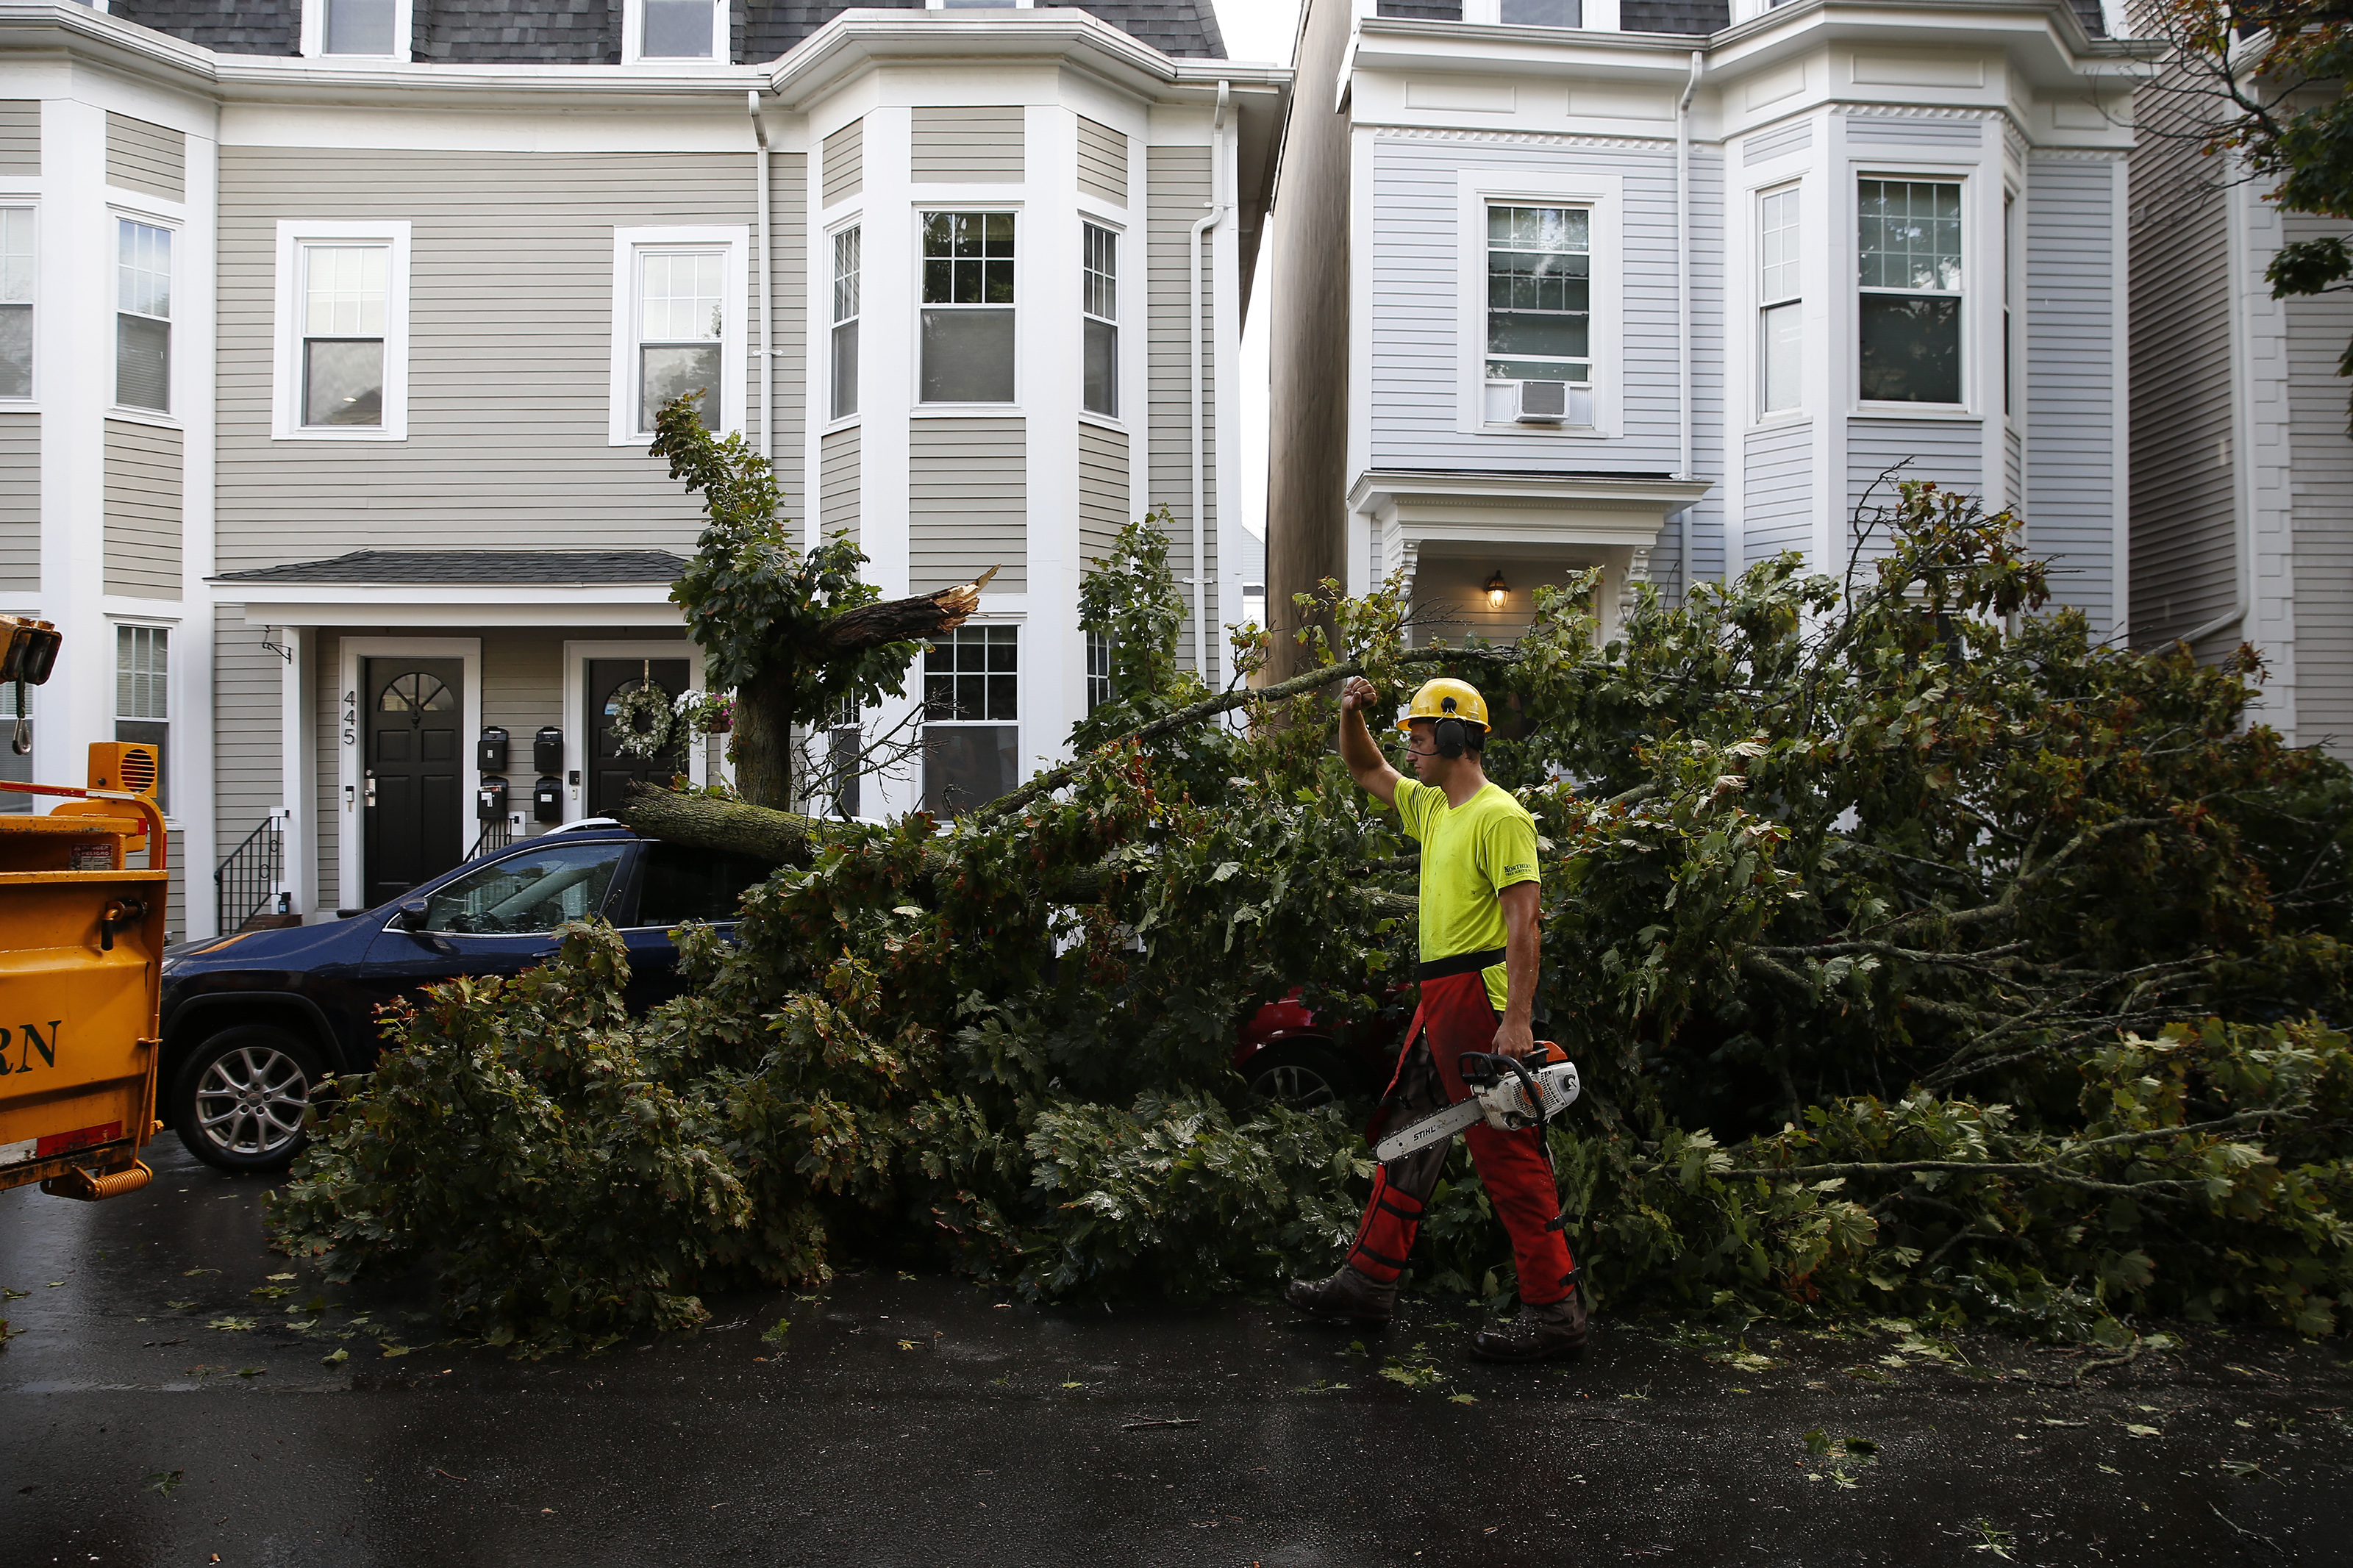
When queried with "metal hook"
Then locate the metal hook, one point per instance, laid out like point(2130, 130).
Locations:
point(21, 741)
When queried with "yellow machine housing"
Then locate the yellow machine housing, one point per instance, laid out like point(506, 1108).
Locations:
point(81, 961)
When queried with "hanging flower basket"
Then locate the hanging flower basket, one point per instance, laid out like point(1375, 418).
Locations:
point(707, 711)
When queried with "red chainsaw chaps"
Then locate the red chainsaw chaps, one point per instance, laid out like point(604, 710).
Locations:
point(1456, 1016)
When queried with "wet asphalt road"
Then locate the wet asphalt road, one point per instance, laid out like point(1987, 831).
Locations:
point(911, 1420)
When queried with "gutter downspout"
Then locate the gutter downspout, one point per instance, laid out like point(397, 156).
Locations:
point(1683, 573)
point(767, 291)
point(1193, 255)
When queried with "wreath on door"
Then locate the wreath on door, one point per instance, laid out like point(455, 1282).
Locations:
point(641, 720)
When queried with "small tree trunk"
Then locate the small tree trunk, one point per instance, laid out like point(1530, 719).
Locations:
point(762, 744)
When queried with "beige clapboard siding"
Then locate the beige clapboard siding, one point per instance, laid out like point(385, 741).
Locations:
point(844, 168)
point(20, 136)
point(249, 758)
point(144, 157)
point(175, 892)
point(1102, 490)
point(967, 503)
point(20, 502)
point(788, 253)
point(510, 297)
point(981, 143)
point(2320, 469)
point(143, 509)
point(1178, 183)
point(1103, 161)
point(837, 484)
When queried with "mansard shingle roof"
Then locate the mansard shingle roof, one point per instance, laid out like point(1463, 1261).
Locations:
point(589, 32)
point(1673, 16)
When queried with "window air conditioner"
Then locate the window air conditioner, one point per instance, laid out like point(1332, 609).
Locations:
point(1542, 402)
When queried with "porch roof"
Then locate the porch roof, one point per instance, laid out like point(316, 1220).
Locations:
point(460, 587)
point(473, 568)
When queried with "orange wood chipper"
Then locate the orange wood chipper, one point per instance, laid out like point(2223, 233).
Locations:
point(81, 959)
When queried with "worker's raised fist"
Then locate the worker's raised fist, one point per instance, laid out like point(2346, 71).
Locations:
point(1358, 695)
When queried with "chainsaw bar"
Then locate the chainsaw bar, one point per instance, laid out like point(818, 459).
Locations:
point(1433, 1128)
point(1498, 1098)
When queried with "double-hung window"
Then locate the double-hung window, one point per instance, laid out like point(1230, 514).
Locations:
point(1909, 315)
point(967, 310)
point(1779, 306)
point(972, 695)
point(346, 294)
point(1539, 306)
point(847, 245)
point(682, 327)
point(675, 29)
point(1098, 669)
point(1099, 304)
point(142, 316)
point(16, 301)
point(143, 695)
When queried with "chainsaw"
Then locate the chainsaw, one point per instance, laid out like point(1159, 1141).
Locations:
point(1506, 1093)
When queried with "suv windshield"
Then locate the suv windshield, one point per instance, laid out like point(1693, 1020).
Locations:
point(528, 893)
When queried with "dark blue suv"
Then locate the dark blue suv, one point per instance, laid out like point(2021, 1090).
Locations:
point(253, 1022)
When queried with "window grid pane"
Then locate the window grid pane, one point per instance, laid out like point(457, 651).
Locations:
point(1783, 342)
point(1100, 290)
point(16, 256)
point(846, 251)
point(973, 676)
point(142, 667)
point(680, 296)
point(678, 30)
point(361, 26)
point(1777, 248)
point(967, 258)
point(144, 271)
point(1909, 236)
point(1539, 293)
point(1098, 670)
point(344, 289)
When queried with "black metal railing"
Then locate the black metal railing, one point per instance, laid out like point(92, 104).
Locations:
point(497, 834)
point(247, 882)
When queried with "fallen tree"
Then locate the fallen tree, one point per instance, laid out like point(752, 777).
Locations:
point(1822, 855)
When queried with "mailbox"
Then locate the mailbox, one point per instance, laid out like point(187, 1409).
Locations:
point(547, 751)
point(491, 801)
point(547, 799)
point(491, 750)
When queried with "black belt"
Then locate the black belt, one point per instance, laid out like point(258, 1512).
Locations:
point(1460, 963)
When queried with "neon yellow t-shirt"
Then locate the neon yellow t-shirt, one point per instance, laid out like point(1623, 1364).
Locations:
point(1470, 853)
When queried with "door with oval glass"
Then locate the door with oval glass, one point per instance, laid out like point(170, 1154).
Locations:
point(413, 788)
point(610, 769)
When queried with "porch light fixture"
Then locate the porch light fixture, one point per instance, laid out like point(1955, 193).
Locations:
point(1498, 592)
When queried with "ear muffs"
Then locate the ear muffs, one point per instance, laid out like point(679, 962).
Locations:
point(1448, 733)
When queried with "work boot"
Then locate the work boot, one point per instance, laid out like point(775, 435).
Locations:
point(1556, 1328)
point(1347, 1294)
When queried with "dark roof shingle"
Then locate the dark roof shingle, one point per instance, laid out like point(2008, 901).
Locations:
point(473, 568)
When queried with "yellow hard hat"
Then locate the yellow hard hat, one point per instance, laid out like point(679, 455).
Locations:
point(1446, 697)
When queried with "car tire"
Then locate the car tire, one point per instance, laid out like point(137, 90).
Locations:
point(1303, 1075)
point(238, 1100)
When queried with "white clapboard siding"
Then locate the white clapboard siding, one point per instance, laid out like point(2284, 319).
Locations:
point(844, 168)
point(1948, 451)
point(2072, 467)
point(1778, 488)
point(789, 263)
point(837, 484)
point(511, 299)
point(1102, 490)
point(248, 756)
point(2013, 470)
point(1103, 161)
point(1418, 365)
point(20, 136)
point(20, 502)
point(1178, 180)
point(967, 503)
point(1764, 144)
point(2321, 470)
point(1943, 135)
point(143, 509)
point(2183, 507)
point(147, 158)
point(978, 143)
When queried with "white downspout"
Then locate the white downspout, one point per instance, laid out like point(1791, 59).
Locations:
point(1684, 463)
point(1200, 542)
point(768, 291)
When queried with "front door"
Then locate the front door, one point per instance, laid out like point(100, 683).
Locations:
point(610, 771)
point(413, 791)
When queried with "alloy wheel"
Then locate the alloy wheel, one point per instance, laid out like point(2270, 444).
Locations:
point(250, 1100)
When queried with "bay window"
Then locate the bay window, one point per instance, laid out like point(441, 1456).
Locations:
point(1909, 314)
point(1779, 330)
point(16, 301)
point(143, 695)
point(846, 251)
point(1539, 306)
point(972, 702)
point(968, 327)
point(142, 316)
point(1099, 305)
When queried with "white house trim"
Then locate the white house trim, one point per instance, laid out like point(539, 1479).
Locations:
point(1604, 196)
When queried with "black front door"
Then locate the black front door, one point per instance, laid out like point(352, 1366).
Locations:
point(414, 791)
point(609, 772)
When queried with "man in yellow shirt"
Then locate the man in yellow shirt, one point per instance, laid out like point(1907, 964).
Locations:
point(1478, 974)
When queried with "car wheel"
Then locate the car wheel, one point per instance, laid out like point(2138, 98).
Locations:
point(239, 1098)
point(1303, 1075)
